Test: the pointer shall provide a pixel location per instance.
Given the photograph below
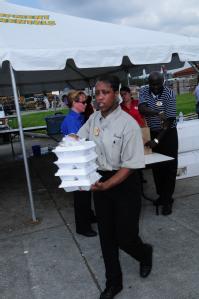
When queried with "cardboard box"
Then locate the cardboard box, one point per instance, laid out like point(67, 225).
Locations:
point(146, 136)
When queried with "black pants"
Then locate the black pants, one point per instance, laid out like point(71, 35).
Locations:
point(197, 109)
point(117, 212)
point(164, 173)
point(83, 212)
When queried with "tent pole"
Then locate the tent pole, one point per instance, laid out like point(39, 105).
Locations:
point(16, 99)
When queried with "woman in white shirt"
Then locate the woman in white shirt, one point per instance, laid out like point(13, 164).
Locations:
point(117, 195)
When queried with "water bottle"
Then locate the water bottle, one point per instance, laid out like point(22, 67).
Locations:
point(181, 117)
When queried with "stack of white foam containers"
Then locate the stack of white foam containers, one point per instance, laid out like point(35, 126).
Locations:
point(76, 163)
point(188, 151)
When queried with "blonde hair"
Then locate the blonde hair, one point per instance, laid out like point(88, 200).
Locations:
point(73, 96)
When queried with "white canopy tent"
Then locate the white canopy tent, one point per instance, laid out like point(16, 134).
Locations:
point(42, 50)
point(49, 50)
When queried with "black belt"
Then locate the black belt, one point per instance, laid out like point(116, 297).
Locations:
point(107, 172)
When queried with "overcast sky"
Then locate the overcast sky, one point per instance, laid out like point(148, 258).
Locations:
point(174, 16)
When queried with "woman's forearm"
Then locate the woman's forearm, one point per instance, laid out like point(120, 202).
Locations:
point(121, 175)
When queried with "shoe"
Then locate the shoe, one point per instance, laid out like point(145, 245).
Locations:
point(159, 202)
point(109, 293)
point(167, 209)
point(89, 233)
point(146, 265)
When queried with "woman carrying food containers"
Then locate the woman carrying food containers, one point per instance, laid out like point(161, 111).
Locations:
point(117, 200)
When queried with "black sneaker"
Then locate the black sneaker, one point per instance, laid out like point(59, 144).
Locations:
point(157, 202)
point(167, 209)
point(146, 264)
point(110, 292)
point(89, 233)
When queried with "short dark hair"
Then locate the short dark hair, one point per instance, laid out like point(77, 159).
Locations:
point(156, 76)
point(125, 88)
point(110, 79)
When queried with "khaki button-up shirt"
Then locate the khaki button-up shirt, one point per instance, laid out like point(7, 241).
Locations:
point(118, 140)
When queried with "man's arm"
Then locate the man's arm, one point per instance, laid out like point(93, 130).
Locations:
point(146, 111)
point(166, 126)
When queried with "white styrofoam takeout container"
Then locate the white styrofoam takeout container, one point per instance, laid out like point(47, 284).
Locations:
point(68, 174)
point(82, 149)
point(80, 184)
point(78, 162)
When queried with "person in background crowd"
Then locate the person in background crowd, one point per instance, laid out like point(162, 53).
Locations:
point(64, 101)
point(117, 199)
point(196, 93)
point(73, 121)
point(89, 108)
point(130, 105)
point(46, 101)
point(75, 118)
point(158, 105)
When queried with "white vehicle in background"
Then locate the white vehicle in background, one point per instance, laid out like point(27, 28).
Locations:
point(3, 119)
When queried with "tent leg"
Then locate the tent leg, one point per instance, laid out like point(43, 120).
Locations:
point(16, 99)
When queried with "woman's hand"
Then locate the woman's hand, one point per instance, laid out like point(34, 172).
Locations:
point(99, 186)
point(74, 136)
point(121, 175)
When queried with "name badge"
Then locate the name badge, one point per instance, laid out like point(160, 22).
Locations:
point(159, 103)
point(96, 131)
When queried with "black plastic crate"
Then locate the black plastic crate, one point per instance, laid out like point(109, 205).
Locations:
point(53, 123)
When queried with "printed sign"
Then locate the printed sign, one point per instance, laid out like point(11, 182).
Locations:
point(27, 19)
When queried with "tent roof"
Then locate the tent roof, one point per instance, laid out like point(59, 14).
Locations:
point(185, 72)
point(89, 43)
point(51, 51)
point(71, 76)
